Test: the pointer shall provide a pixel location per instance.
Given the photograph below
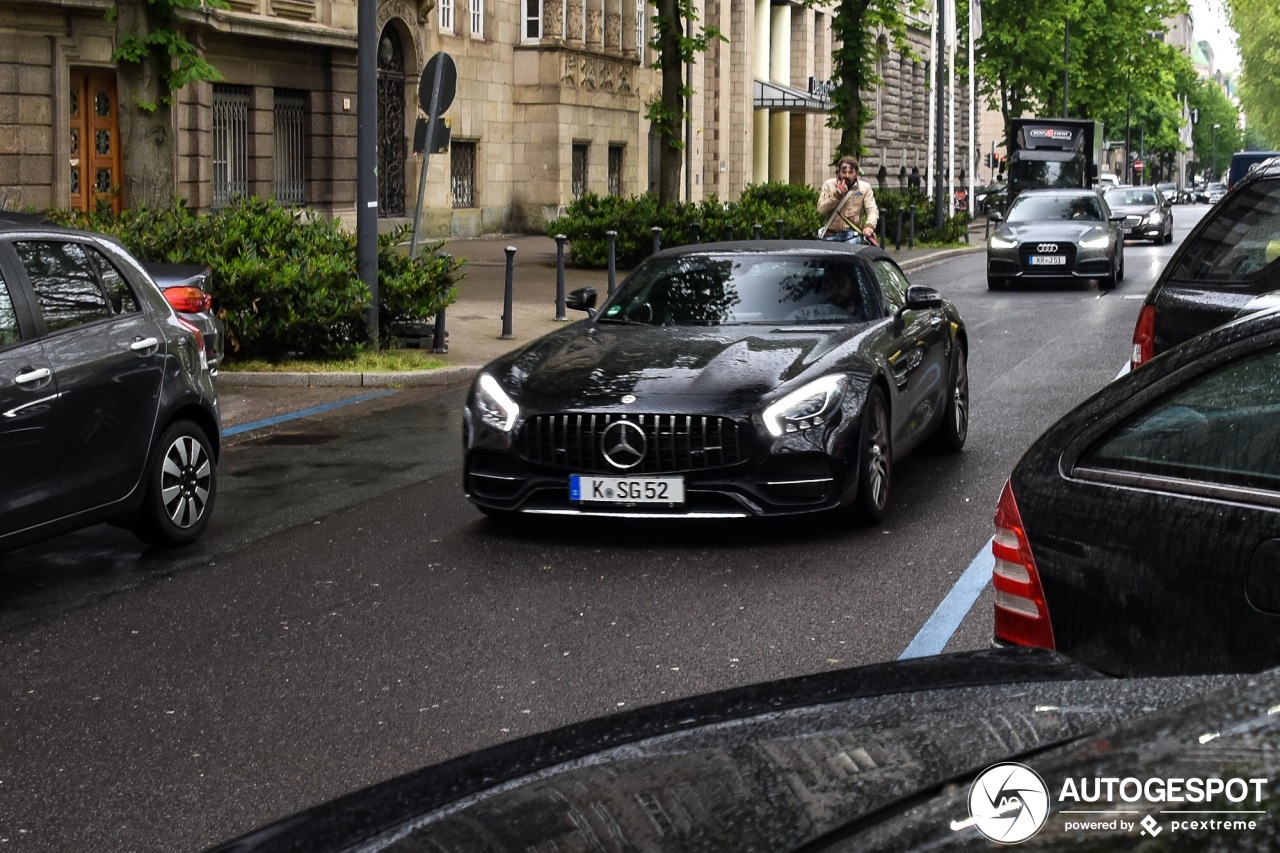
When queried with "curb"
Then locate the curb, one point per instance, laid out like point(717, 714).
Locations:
point(400, 379)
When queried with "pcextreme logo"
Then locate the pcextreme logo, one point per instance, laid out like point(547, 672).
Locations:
point(1010, 802)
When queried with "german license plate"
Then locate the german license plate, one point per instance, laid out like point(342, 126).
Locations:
point(626, 490)
point(1048, 260)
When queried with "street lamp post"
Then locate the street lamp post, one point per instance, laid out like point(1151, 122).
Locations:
point(1213, 160)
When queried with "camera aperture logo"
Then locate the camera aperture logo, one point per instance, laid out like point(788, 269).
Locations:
point(1008, 802)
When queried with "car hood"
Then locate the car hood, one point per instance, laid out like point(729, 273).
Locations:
point(723, 367)
point(768, 767)
point(1057, 229)
point(1133, 209)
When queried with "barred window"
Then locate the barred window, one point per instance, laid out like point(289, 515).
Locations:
point(446, 16)
point(532, 20)
point(640, 22)
point(230, 143)
point(290, 135)
point(462, 173)
point(615, 170)
point(579, 170)
point(477, 19)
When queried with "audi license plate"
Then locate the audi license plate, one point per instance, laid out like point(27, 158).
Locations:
point(626, 490)
point(1048, 260)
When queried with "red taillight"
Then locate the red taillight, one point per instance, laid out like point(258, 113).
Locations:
point(1022, 616)
point(1144, 337)
point(191, 300)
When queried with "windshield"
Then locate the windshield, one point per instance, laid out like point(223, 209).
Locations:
point(709, 290)
point(1038, 208)
point(1131, 196)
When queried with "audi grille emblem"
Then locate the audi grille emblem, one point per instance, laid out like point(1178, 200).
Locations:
point(623, 444)
point(1047, 247)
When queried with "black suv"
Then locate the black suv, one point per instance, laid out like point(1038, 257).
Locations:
point(1227, 267)
point(107, 408)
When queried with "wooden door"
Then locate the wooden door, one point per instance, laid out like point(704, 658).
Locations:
point(96, 175)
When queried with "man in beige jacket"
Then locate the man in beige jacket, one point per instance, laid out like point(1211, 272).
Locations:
point(853, 198)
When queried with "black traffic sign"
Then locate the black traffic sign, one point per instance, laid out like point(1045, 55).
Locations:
point(438, 84)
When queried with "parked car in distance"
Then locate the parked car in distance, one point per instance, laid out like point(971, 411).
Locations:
point(723, 380)
point(1140, 534)
point(186, 288)
point(1171, 193)
point(1054, 235)
point(991, 197)
point(108, 408)
point(875, 758)
point(1106, 180)
point(1225, 268)
point(1213, 192)
point(1148, 215)
point(1243, 161)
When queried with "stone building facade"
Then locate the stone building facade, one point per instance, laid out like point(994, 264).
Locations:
point(550, 105)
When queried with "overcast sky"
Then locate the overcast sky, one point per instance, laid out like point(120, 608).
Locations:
point(1211, 25)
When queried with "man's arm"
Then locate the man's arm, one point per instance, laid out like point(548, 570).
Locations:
point(829, 196)
point(869, 207)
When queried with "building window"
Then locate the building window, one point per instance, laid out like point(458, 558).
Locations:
point(532, 20)
point(462, 173)
point(230, 143)
point(615, 170)
point(477, 19)
point(579, 170)
point(290, 132)
point(446, 16)
point(640, 21)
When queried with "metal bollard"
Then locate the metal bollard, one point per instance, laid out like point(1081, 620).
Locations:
point(757, 231)
point(880, 233)
point(778, 223)
point(561, 310)
point(613, 260)
point(695, 228)
point(898, 243)
point(657, 238)
point(439, 341)
point(911, 234)
point(508, 295)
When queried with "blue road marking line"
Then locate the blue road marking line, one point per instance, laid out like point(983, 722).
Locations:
point(302, 413)
point(938, 630)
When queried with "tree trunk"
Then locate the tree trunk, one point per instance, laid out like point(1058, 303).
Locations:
point(146, 116)
point(671, 62)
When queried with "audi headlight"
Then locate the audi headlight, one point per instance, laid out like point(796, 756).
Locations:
point(494, 406)
point(1100, 241)
point(805, 408)
point(998, 242)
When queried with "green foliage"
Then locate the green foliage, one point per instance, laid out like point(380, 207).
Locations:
point(587, 222)
point(284, 281)
point(1258, 41)
point(177, 60)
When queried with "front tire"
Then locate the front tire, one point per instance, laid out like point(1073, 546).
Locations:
point(182, 484)
point(875, 459)
point(954, 429)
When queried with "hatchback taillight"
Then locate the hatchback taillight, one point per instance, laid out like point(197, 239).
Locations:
point(1021, 614)
point(186, 298)
point(1144, 337)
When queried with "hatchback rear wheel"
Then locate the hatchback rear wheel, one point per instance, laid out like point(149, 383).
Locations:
point(181, 483)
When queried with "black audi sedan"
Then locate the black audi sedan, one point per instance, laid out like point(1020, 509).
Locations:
point(1056, 235)
point(724, 380)
point(1140, 534)
point(1227, 267)
point(107, 408)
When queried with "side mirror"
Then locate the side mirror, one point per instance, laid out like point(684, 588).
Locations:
point(582, 299)
point(919, 297)
point(996, 216)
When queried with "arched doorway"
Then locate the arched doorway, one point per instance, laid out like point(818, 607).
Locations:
point(391, 124)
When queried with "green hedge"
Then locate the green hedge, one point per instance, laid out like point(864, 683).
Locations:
point(587, 222)
point(286, 281)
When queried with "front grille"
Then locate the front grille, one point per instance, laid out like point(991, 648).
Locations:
point(1027, 250)
point(1132, 221)
point(672, 442)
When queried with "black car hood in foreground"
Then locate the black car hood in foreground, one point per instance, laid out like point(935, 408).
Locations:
point(591, 362)
point(770, 767)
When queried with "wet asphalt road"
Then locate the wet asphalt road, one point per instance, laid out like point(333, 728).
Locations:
point(349, 617)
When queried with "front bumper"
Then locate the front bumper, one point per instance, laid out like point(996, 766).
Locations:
point(1026, 261)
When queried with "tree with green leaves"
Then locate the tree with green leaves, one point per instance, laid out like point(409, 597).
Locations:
point(1214, 147)
point(154, 61)
point(856, 27)
point(1258, 40)
point(675, 48)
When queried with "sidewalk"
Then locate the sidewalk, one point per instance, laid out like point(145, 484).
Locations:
point(474, 323)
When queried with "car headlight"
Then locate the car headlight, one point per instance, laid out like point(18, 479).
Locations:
point(998, 242)
point(494, 405)
point(807, 407)
point(1098, 242)
point(1155, 217)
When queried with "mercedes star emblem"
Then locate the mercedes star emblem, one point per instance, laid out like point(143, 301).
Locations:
point(623, 444)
